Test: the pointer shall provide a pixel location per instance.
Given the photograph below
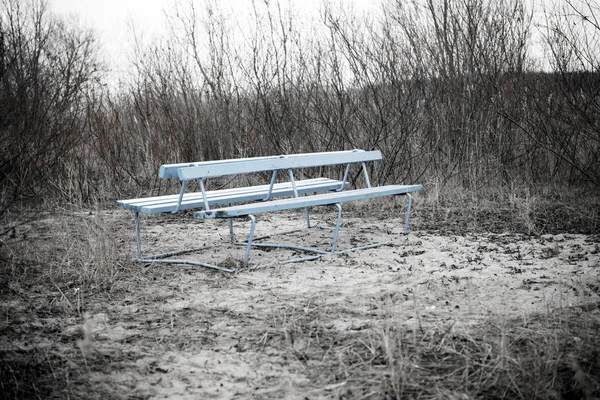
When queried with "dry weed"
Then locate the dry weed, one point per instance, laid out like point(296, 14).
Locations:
point(545, 356)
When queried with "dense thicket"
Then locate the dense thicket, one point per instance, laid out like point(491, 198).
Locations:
point(448, 90)
point(47, 67)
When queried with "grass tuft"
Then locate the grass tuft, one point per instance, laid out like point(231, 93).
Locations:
point(547, 356)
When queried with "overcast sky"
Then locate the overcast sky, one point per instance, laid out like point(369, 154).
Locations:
point(112, 19)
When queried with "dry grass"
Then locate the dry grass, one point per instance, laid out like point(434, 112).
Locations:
point(556, 355)
point(62, 265)
point(52, 266)
point(527, 211)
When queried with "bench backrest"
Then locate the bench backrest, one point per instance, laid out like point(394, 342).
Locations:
point(170, 170)
point(210, 169)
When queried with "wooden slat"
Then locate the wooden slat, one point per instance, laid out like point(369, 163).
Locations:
point(262, 188)
point(309, 201)
point(236, 198)
point(159, 204)
point(170, 170)
point(306, 161)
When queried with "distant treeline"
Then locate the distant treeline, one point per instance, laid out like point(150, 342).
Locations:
point(447, 90)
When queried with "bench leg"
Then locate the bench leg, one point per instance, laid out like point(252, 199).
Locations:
point(249, 244)
point(230, 227)
point(337, 228)
point(307, 216)
point(159, 258)
point(137, 235)
point(407, 214)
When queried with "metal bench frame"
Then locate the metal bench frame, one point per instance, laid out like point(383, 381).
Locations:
point(205, 199)
point(215, 200)
point(249, 210)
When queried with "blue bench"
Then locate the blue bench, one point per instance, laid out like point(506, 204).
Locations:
point(261, 198)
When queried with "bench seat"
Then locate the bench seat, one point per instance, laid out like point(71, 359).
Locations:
point(310, 201)
point(168, 203)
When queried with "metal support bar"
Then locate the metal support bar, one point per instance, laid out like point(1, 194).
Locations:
point(307, 216)
point(293, 182)
point(137, 235)
point(294, 247)
point(181, 192)
point(365, 247)
point(271, 235)
point(201, 182)
point(407, 213)
point(318, 256)
point(366, 173)
point(188, 262)
point(337, 227)
point(296, 195)
point(176, 253)
point(345, 178)
point(230, 227)
point(290, 247)
point(247, 255)
point(297, 260)
point(271, 185)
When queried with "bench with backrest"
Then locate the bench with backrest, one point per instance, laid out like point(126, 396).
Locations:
point(208, 198)
point(261, 198)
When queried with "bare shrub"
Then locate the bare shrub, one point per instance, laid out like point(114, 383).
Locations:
point(47, 68)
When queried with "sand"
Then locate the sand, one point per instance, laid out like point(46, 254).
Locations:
point(186, 332)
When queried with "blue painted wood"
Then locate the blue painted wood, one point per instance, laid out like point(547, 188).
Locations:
point(258, 194)
point(160, 204)
point(170, 170)
point(270, 164)
point(308, 201)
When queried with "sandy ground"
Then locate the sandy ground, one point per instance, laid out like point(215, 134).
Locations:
point(187, 332)
point(198, 333)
